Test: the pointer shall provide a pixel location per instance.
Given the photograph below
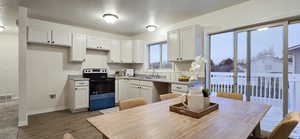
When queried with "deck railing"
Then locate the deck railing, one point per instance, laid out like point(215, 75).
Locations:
point(265, 87)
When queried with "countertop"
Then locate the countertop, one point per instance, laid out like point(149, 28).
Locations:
point(77, 78)
point(162, 80)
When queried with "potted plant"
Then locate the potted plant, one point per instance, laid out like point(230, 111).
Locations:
point(206, 95)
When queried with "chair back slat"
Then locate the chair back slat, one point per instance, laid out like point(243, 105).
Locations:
point(130, 103)
point(235, 96)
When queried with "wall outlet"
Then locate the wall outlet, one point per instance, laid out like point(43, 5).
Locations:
point(52, 96)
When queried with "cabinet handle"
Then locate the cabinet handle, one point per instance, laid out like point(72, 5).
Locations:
point(181, 58)
point(52, 41)
point(48, 41)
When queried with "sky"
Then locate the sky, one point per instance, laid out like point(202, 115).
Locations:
point(222, 44)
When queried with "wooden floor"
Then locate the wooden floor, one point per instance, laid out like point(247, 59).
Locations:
point(54, 125)
point(8, 119)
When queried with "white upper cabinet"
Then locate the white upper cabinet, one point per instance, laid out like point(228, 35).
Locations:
point(47, 36)
point(174, 45)
point(126, 51)
point(106, 44)
point(78, 49)
point(138, 51)
point(39, 35)
point(186, 43)
point(192, 42)
point(94, 42)
point(62, 38)
point(115, 51)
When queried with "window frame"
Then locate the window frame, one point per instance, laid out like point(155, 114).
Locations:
point(161, 55)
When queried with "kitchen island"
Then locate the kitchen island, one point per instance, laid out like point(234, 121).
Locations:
point(150, 88)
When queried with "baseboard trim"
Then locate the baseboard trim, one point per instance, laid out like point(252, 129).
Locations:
point(46, 110)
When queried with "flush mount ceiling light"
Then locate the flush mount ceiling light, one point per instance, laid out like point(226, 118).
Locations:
point(2, 28)
point(110, 18)
point(151, 28)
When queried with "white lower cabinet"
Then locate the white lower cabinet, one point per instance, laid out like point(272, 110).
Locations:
point(147, 93)
point(123, 89)
point(135, 89)
point(79, 95)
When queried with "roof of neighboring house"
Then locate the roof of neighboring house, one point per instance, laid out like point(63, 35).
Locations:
point(294, 47)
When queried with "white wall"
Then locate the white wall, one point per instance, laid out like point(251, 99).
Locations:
point(48, 68)
point(247, 13)
point(244, 14)
point(9, 64)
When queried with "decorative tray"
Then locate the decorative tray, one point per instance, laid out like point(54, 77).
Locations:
point(181, 109)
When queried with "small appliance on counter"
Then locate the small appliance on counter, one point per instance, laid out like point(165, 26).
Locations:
point(130, 72)
point(101, 88)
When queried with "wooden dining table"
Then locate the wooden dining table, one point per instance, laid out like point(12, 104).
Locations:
point(233, 120)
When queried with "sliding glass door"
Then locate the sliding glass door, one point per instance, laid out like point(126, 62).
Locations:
point(222, 65)
point(241, 62)
point(263, 67)
point(294, 71)
point(266, 72)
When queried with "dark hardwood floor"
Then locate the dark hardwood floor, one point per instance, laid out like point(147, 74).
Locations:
point(54, 125)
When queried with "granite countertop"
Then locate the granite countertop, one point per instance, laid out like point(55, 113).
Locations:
point(77, 78)
point(162, 80)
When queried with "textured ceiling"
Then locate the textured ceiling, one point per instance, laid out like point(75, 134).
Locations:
point(134, 14)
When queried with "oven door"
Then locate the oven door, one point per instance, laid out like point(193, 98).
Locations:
point(102, 86)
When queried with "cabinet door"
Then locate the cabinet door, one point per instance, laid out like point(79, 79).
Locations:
point(126, 51)
point(123, 89)
point(62, 38)
point(78, 49)
point(106, 44)
point(94, 42)
point(115, 52)
point(81, 97)
point(188, 44)
point(147, 94)
point(173, 45)
point(134, 91)
point(39, 35)
point(138, 51)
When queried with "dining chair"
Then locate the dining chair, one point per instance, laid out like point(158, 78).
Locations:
point(130, 103)
point(167, 96)
point(284, 128)
point(235, 96)
point(68, 136)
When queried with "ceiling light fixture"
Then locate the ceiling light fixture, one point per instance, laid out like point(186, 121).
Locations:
point(2, 28)
point(262, 29)
point(110, 18)
point(151, 28)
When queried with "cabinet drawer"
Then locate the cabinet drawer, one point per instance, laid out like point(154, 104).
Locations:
point(179, 88)
point(134, 82)
point(81, 83)
point(146, 83)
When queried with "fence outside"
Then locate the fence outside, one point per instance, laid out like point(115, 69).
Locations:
point(266, 87)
